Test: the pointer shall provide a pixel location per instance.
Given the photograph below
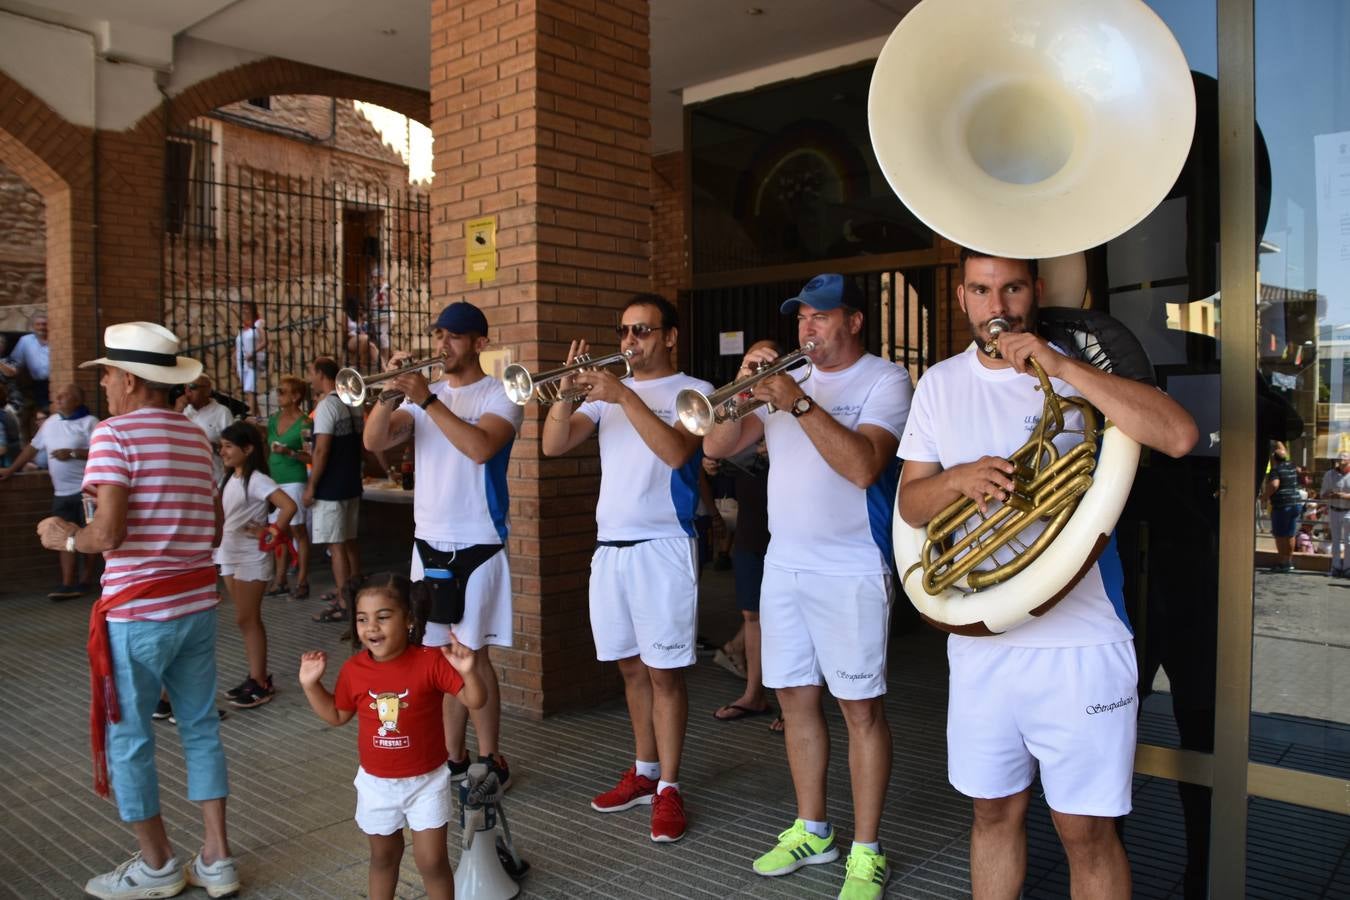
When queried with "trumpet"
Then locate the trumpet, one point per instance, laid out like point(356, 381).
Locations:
point(546, 387)
point(352, 387)
point(699, 412)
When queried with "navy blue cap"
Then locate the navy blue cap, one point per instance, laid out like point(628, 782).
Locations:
point(826, 292)
point(462, 318)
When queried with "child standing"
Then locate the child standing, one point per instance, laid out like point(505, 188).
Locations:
point(394, 687)
point(244, 495)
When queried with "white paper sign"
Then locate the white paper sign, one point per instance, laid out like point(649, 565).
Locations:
point(731, 343)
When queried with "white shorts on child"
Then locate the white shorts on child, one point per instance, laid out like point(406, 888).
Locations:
point(825, 628)
point(386, 805)
point(644, 602)
point(260, 569)
point(1069, 711)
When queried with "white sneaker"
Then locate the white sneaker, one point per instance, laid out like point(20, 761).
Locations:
point(134, 880)
point(221, 878)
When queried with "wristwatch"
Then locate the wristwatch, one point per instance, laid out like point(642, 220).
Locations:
point(431, 398)
point(802, 406)
point(70, 542)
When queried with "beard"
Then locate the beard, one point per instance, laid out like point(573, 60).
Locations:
point(979, 331)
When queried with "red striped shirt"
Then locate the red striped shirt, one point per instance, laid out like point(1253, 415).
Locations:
point(164, 462)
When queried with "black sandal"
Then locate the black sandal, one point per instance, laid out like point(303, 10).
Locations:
point(301, 592)
point(333, 613)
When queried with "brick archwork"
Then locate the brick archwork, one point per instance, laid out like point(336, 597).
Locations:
point(53, 157)
point(283, 76)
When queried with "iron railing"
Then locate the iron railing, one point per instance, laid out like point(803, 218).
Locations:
point(336, 269)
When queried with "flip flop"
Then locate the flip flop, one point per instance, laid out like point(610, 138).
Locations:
point(742, 712)
point(331, 614)
point(776, 726)
point(278, 591)
point(730, 663)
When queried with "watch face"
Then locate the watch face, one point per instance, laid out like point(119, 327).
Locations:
point(802, 406)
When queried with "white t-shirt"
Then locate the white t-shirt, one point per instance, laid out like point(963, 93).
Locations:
point(642, 498)
point(334, 417)
point(819, 521)
point(457, 499)
point(245, 354)
point(964, 410)
point(65, 434)
point(1332, 481)
point(237, 546)
point(212, 419)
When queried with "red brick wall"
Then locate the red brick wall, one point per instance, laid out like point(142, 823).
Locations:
point(670, 232)
point(541, 118)
point(25, 500)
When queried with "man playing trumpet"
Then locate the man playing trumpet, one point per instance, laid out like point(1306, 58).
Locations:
point(1059, 692)
point(825, 601)
point(644, 575)
point(463, 428)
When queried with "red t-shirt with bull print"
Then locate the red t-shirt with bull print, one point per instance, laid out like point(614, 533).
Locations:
point(398, 709)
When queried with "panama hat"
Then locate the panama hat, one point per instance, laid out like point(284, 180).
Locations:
point(146, 350)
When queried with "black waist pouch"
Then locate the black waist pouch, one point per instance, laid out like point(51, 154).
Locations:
point(446, 573)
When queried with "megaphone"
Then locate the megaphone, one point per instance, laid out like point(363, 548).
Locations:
point(488, 865)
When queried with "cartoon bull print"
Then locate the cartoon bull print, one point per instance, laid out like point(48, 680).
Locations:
point(386, 706)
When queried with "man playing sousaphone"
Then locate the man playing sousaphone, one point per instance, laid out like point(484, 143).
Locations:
point(825, 601)
point(1057, 693)
point(644, 575)
point(463, 428)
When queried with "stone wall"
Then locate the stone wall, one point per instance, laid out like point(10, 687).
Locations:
point(23, 250)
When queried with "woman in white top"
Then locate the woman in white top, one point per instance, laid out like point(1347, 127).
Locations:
point(250, 353)
point(244, 494)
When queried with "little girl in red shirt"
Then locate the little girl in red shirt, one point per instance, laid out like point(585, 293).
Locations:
point(394, 687)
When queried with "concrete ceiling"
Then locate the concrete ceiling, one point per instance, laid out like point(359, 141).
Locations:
point(693, 41)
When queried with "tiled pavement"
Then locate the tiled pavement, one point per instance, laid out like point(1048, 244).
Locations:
point(290, 810)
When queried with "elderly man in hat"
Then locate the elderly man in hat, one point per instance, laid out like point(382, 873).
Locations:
point(1336, 494)
point(155, 624)
point(462, 428)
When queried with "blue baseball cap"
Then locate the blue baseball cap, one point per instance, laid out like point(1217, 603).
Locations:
point(826, 292)
point(462, 318)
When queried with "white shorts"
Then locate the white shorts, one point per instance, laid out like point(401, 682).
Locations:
point(260, 569)
point(385, 805)
point(334, 521)
point(248, 379)
point(1072, 710)
point(829, 629)
point(644, 602)
point(295, 490)
point(487, 603)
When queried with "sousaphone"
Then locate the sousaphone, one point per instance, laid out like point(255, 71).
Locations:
point(1030, 129)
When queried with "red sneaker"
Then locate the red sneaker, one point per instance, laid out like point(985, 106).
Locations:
point(667, 816)
point(633, 790)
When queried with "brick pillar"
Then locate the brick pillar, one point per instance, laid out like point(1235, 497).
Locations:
point(670, 232)
point(541, 117)
point(130, 222)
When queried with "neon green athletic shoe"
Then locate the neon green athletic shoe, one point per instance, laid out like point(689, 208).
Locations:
point(866, 876)
point(797, 847)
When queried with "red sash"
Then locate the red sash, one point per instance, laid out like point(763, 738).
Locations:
point(102, 690)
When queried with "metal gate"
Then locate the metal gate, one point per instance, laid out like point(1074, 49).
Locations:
point(899, 321)
point(336, 269)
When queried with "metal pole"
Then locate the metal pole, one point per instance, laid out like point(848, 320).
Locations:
point(1237, 462)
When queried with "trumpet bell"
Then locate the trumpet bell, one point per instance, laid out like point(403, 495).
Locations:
point(1031, 128)
point(519, 384)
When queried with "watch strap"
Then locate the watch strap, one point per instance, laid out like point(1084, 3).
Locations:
point(431, 398)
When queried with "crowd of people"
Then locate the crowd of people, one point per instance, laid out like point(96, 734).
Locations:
point(816, 472)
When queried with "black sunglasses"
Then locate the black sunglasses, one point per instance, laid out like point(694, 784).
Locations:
point(640, 330)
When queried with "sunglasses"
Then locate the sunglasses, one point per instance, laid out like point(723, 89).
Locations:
point(640, 330)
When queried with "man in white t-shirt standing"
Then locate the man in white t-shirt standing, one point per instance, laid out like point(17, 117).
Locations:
point(644, 574)
point(208, 415)
point(825, 601)
point(1335, 494)
point(333, 492)
point(65, 436)
point(1058, 693)
point(463, 428)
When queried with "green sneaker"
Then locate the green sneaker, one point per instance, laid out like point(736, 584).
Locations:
point(866, 876)
point(797, 847)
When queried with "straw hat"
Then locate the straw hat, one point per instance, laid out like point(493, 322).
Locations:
point(146, 350)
